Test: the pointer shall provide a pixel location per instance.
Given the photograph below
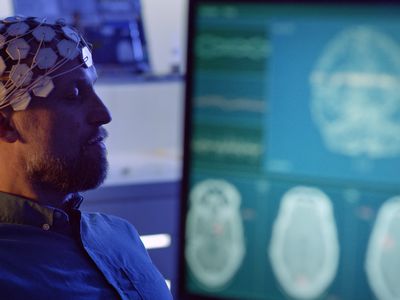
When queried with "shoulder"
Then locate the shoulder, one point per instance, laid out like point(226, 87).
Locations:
point(106, 220)
point(118, 240)
point(108, 229)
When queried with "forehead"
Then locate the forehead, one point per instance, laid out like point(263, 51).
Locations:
point(74, 73)
point(64, 85)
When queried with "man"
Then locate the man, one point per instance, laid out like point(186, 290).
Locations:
point(51, 147)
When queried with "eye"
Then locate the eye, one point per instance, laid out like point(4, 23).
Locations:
point(74, 93)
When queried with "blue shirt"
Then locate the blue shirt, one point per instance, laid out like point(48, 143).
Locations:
point(49, 253)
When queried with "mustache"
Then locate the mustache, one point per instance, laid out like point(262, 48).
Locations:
point(100, 135)
point(103, 133)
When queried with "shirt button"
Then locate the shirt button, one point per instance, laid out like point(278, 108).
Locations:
point(46, 226)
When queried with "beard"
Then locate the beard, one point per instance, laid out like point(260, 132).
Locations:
point(68, 174)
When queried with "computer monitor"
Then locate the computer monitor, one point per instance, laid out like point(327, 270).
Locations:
point(291, 185)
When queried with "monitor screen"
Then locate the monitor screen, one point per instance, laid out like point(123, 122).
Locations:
point(291, 185)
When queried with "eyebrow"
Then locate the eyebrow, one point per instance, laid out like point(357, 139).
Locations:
point(84, 80)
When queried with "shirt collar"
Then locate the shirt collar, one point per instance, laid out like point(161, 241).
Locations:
point(18, 210)
point(73, 202)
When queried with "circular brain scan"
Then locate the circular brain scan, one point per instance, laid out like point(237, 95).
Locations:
point(383, 253)
point(304, 248)
point(215, 239)
point(355, 93)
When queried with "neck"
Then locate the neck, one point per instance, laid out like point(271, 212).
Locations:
point(43, 197)
point(16, 182)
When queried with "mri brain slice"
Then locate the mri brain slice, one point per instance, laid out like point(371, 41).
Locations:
point(304, 249)
point(383, 255)
point(215, 247)
point(355, 89)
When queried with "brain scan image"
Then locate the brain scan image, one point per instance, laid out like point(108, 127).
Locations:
point(304, 248)
point(355, 93)
point(215, 238)
point(383, 253)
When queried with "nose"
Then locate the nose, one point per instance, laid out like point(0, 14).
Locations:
point(98, 112)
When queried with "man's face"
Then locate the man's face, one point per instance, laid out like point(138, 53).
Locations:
point(61, 135)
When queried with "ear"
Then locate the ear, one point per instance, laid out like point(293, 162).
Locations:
point(7, 130)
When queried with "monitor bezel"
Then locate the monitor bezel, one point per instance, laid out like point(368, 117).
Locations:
point(182, 293)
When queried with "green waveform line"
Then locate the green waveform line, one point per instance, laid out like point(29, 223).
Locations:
point(231, 147)
point(230, 105)
point(210, 46)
